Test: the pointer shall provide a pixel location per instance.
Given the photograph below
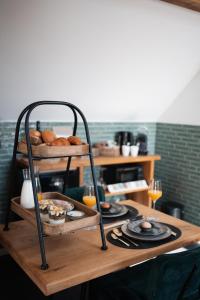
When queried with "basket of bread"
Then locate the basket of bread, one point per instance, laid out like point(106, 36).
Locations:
point(47, 144)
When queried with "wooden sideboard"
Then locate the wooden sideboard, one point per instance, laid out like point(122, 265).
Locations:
point(139, 195)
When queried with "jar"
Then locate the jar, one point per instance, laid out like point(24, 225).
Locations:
point(26, 199)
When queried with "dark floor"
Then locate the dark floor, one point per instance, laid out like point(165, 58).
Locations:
point(15, 284)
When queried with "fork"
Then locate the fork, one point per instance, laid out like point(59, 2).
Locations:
point(119, 233)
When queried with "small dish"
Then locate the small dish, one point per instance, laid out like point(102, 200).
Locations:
point(75, 214)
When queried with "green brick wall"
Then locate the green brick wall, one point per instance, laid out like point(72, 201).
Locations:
point(98, 131)
point(179, 168)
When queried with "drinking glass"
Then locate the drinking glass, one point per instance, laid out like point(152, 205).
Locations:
point(155, 191)
point(89, 196)
point(37, 183)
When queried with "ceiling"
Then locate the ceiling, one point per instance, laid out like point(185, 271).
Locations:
point(191, 4)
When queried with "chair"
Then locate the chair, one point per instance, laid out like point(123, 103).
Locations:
point(76, 193)
point(167, 277)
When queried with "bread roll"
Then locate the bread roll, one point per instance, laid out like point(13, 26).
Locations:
point(35, 140)
point(74, 140)
point(35, 137)
point(60, 142)
point(34, 133)
point(48, 136)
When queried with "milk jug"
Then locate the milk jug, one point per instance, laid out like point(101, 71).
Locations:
point(27, 200)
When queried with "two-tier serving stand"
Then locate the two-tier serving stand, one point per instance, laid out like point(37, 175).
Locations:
point(32, 157)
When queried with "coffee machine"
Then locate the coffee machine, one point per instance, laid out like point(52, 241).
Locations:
point(141, 140)
point(124, 138)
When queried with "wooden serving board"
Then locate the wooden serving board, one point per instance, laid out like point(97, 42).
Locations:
point(91, 218)
point(44, 150)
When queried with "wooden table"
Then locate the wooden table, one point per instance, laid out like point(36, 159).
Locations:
point(77, 258)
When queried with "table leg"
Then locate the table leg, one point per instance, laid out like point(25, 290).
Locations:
point(84, 291)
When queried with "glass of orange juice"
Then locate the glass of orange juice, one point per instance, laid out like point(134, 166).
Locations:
point(155, 191)
point(89, 196)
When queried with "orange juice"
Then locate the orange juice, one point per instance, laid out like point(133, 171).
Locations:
point(154, 195)
point(39, 195)
point(89, 200)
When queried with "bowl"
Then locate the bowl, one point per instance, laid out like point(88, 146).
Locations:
point(65, 204)
point(75, 214)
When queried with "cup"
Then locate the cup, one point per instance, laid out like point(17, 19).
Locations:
point(125, 150)
point(89, 198)
point(134, 150)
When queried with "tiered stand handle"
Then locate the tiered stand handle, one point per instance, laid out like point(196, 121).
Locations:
point(27, 111)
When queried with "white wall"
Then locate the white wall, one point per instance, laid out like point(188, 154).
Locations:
point(118, 60)
point(185, 109)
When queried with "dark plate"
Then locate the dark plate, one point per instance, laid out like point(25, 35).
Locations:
point(117, 211)
point(114, 209)
point(156, 229)
point(140, 237)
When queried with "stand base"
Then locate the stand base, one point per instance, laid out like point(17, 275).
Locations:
point(44, 266)
point(104, 247)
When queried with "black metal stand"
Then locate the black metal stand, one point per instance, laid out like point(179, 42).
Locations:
point(27, 111)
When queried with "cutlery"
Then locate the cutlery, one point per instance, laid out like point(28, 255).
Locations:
point(116, 238)
point(115, 224)
point(119, 233)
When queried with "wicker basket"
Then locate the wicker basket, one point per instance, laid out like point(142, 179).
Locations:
point(44, 150)
point(91, 216)
point(109, 151)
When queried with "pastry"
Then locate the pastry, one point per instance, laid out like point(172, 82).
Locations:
point(34, 133)
point(146, 226)
point(61, 141)
point(74, 140)
point(48, 136)
point(35, 140)
point(35, 137)
point(105, 206)
point(56, 214)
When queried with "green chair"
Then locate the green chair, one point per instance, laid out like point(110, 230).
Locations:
point(76, 193)
point(167, 277)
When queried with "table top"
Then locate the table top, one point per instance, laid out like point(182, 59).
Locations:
point(77, 257)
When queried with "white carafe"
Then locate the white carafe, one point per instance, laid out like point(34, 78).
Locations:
point(27, 200)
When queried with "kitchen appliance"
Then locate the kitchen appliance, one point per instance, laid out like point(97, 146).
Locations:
point(124, 138)
point(141, 141)
point(50, 181)
point(122, 173)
